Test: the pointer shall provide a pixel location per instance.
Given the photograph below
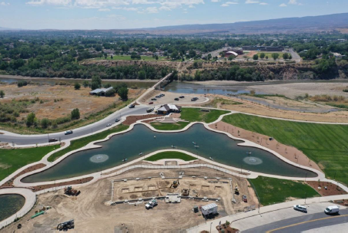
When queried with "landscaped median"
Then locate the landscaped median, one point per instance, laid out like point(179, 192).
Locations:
point(325, 144)
point(13, 159)
point(191, 115)
point(170, 155)
point(271, 191)
point(78, 143)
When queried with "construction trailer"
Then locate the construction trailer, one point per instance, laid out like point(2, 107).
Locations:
point(209, 209)
point(173, 198)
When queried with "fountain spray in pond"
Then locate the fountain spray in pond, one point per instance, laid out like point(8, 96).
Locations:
point(252, 160)
point(100, 158)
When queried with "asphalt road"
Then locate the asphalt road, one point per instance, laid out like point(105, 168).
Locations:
point(303, 223)
point(20, 139)
point(295, 56)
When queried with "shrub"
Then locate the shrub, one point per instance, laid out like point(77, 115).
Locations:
point(75, 114)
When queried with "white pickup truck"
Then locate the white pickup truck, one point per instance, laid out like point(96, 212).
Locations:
point(151, 204)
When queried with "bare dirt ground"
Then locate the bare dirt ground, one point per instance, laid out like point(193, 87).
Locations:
point(258, 109)
point(92, 215)
point(169, 98)
point(58, 101)
point(292, 90)
point(289, 152)
point(331, 189)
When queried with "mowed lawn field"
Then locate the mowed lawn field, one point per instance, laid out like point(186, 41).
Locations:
point(325, 144)
point(195, 114)
point(271, 191)
point(13, 159)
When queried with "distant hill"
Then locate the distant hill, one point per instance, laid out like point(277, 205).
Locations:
point(284, 25)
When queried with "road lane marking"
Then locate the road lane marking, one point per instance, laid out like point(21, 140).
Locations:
point(300, 223)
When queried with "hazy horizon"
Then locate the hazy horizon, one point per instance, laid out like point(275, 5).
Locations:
point(136, 14)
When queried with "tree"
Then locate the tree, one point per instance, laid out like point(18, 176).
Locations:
point(30, 119)
point(2, 94)
point(285, 56)
point(110, 92)
point(75, 114)
point(141, 74)
point(44, 123)
point(77, 86)
point(209, 56)
point(123, 93)
point(96, 82)
point(85, 83)
point(256, 57)
point(275, 56)
point(262, 55)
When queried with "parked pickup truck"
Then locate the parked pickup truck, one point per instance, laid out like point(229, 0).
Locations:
point(151, 204)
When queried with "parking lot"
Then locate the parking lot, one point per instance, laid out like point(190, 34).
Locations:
point(169, 98)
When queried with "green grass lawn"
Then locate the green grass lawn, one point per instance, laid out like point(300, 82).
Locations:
point(195, 114)
point(13, 159)
point(170, 155)
point(270, 55)
point(75, 144)
point(271, 191)
point(325, 144)
point(169, 126)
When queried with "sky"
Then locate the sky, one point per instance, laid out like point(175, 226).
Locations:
point(129, 14)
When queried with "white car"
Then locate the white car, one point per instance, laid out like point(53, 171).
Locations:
point(300, 208)
point(108, 125)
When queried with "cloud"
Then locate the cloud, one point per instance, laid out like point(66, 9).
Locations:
point(283, 5)
point(294, 2)
point(104, 9)
point(50, 2)
point(114, 3)
point(263, 3)
point(229, 3)
point(4, 3)
point(152, 10)
point(251, 2)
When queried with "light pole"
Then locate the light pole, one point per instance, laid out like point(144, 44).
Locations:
point(210, 226)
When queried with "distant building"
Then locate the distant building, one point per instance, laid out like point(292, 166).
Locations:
point(231, 53)
point(337, 55)
point(168, 108)
point(100, 91)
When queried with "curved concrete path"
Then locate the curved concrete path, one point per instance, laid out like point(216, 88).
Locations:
point(30, 200)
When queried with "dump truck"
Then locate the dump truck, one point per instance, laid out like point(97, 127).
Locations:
point(71, 192)
point(66, 225)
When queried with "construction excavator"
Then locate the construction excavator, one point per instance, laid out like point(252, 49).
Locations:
point(175, 184)
point(71, 192)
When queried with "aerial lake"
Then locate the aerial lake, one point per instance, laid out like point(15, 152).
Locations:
point(141, 140)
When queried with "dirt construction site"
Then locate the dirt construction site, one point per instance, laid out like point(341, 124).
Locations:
point(92, 213)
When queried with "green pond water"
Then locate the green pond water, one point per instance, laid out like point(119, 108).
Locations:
point(143, 140)
point(10, 204)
